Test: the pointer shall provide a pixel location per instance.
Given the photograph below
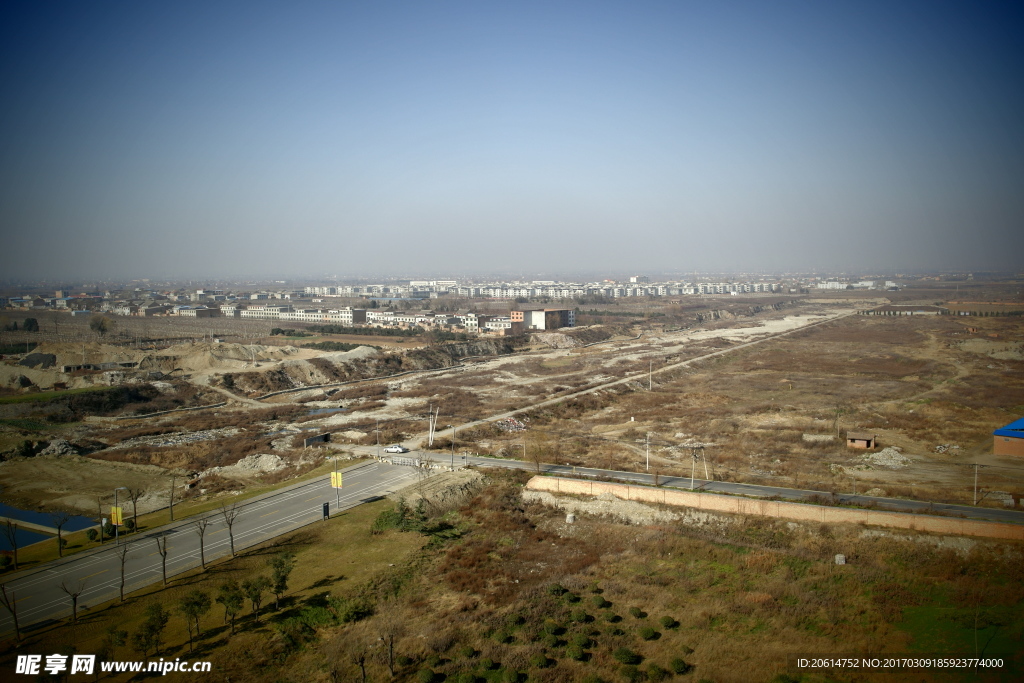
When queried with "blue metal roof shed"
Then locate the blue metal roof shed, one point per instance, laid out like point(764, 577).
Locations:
point(1014, 429)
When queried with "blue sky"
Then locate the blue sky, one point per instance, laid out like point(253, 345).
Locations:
point(205, 139)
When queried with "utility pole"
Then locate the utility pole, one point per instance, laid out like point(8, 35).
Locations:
point(650, 375)
point(378, 439)
point(170, 504)
point(453, 447)
point(975, 466)
point(648, 439)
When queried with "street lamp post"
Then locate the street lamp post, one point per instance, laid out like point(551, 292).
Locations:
point(378, 439)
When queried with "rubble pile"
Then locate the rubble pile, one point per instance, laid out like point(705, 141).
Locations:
point(510, 424)
point(248, 466)
point(887, 457)
point(177, 439)
point(60, 447)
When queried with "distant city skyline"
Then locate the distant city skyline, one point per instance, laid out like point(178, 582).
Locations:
point(236, 140)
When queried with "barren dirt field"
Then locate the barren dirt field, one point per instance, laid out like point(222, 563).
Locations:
point(931, 387)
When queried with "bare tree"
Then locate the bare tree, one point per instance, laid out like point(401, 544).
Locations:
point(838, 410)
point(134, 495)
point(230, 514)
point(161, 547)
point(11, 603)
point(199, 526)
point(122, 554)
point(73, 593)
point(10, 532)
point(59, 520)
point(536, 456)
point(389, 629)
point(345, 651)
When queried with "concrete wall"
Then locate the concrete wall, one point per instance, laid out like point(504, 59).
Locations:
point(799, 512)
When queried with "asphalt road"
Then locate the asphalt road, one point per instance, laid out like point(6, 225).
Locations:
point(40, 599)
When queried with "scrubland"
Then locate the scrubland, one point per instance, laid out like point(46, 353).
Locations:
point(494, 589)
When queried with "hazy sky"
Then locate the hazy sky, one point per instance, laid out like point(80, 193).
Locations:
point(229, 138)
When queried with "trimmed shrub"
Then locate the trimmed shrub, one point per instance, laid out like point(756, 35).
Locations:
point(575, 652)
point(626, 656)
point(572, 597)
point(465, 677)
point(669, 622)
point(579, 616)
point(467, 651)
point(486, 664)
point(656, 674)
point(402, 660)
point(648, 633)
point(557, 589)
point(550, 640)
point(631, 673)
point(538, 661)
point(678, 666)
point(636, 613)
point(600, 603)
point(581, 640)
point(502, 636)
point(425, 676)
point(611, 617)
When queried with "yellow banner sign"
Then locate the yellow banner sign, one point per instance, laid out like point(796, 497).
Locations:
point(335, 480)
point(116, 516)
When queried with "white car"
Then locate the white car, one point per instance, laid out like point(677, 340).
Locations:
point(397, 448)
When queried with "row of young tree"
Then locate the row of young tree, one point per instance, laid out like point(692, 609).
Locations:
point(229, 513)
point(193, 606)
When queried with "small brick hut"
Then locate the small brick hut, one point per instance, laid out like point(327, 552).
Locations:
point(861, 440)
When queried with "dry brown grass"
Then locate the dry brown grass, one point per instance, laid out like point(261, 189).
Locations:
point(739, 597)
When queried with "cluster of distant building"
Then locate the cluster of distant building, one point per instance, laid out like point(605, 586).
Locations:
point(287, 307)
point(638, 285)
point(320, 304)
point(861, 284)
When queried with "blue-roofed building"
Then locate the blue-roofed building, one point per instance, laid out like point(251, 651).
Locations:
point(1009, 440)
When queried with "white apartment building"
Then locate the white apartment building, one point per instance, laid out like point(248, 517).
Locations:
point(265, 311)
point(306, 315)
